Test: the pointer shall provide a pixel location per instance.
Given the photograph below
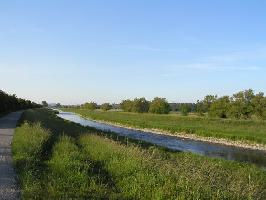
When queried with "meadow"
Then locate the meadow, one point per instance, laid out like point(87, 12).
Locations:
point(250, 131)
point(58, 159)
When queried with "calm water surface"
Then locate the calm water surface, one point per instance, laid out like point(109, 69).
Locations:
point(179, 144)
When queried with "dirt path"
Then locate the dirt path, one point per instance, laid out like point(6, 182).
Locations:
point(8, 184)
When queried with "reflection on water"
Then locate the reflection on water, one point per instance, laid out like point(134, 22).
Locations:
point(172, 142)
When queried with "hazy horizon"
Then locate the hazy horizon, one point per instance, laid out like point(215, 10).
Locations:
point(72, 52)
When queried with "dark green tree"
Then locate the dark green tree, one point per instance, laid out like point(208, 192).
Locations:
point(159, 106)
point(259, 105)
point(140, 105)
point(185, 109)
point(241, 106)
point(220, 107)
point(12, 103)
point(127, 105)
point(44, 104)
point(106, 106)
point(89, 106)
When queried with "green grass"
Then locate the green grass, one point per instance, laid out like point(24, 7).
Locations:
point(155, 174)
point(247, 130)
point(57, 159)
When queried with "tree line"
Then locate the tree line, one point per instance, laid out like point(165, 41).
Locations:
point(138, 105)
point(10, 103)
point(241, 105)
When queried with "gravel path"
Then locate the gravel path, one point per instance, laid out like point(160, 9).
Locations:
point(8, 184)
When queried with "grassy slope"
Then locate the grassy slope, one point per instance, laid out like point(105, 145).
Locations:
point(248, 130)
point(60, 160)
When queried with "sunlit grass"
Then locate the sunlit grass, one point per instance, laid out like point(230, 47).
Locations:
point(57, 159)
point(247, 130)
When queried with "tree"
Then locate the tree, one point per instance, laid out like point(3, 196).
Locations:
point(241, 106)
point(259, 105)
point(44, 104)
point(127, 105)
point(204, 105)
point(185, 109)
point(12, 103)
point(207, 102)
point(220, 107)
point(159, 106)
point(58, 105)
point(106, 106)
point(140, 105)
point(200, 108)
point(178, 106)
point(90, 106)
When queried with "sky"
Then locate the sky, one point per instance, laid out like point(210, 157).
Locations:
point(74, 51)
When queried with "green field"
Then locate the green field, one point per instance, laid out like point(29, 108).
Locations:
point(57, 159)
point(247, 130)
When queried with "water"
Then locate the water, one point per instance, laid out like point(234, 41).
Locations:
point(179, 144)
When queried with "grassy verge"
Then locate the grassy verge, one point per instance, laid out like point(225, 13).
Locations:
point(49, 163)
point(243, 130)
point(56, 159)
point(156, 174)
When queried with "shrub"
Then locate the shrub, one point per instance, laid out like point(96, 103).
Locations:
point(140, 105)
point(89, 106)
point(127, 105)
point(219, 108)
point(106, 106)
point(185, 109)
point(159, 106)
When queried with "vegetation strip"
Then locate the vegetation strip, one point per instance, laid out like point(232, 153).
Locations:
point(132, 123)
point(57, 159)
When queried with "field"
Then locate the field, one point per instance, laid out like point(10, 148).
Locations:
point(250, 131)
point(57, 159)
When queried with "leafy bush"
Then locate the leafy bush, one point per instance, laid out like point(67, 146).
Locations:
point(185, 109)
point(106, 106)
point(28, 148)
point(159, 106)
point(138, 105)
point(12, 103)
point(220, 107)
point(89, 106)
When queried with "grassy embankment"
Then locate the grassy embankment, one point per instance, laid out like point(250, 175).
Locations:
point(249, 131)
point(56, 159)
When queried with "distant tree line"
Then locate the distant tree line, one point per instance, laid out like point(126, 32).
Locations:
point(12, 103)
point(180, 107)
point(138, 105)
point(93, 106)
point(241, 105)
point(141, 105)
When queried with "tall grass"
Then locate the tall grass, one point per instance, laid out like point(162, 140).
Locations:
point(156, 174)
point(28, 148)
point(70, 174)
point(247, 130)
point(50, 165)
point(57, 159)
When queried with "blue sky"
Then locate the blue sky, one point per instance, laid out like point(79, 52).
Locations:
point(93, 50)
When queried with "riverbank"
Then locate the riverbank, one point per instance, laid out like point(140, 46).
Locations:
point(58, 159)
point(247, 144)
